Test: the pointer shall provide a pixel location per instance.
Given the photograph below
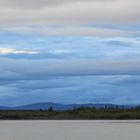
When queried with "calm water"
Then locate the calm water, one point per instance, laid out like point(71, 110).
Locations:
point(69, 130)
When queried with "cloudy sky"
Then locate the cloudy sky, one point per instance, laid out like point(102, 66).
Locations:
point(69, 51)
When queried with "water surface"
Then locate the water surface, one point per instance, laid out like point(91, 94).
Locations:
point(69, 130)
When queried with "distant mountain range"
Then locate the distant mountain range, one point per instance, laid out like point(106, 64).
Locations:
point(57, 106)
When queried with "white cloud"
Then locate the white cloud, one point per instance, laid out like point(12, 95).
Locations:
point(5, 51)
point(60, 51)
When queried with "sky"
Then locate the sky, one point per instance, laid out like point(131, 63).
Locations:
point(69, 51)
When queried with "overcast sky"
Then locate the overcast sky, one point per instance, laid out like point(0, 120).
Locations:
point(69, 51)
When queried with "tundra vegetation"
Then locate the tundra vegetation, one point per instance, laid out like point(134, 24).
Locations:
point(74, 114)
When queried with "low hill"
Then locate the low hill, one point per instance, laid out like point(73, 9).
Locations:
point(59, 107)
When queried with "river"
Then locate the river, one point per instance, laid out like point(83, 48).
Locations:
point(70, 130)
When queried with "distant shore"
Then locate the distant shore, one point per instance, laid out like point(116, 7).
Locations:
point(75, 114)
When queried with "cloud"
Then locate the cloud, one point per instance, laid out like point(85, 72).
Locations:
point(77, 89)
point(5, 51)
point(39, 4)
point(51, 83)
point(128, 81)
point(68, 47)
point(23, 69)
point(73, 30)
point(17, 14)
point(47, 52)
point(119, 43)
point(91, 11)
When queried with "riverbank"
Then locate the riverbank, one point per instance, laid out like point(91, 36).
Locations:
point(75, 114)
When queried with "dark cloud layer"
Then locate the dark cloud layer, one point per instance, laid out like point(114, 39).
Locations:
point(78, 89)
point(42, 69)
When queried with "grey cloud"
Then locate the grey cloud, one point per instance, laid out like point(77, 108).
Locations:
point(74, 30)
point(84, 89)
point(39, 56)
point(12, 69)
point(119, 43)
point(42, 3)
point(82, 12)
point(41, 84)
point(129, 81)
